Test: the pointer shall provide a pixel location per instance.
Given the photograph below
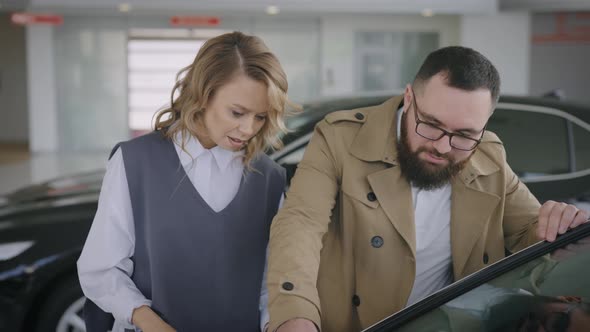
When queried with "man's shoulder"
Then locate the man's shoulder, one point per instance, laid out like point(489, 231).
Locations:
point(354, 116)
point(262, 160)
point(360, 115)
point(490, 137)
point(491, 151)
point(491, 143)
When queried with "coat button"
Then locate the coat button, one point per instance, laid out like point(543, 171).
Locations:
point(371, 197)
point(377, 241)
point(486, 258)
point(288, 286)
point(356, 300)
point(359, 116)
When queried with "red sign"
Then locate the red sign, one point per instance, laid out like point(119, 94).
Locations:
point(201, 21)
point(569, 28)
point(29, 19)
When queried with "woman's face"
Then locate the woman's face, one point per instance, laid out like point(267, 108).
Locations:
point(235, 114)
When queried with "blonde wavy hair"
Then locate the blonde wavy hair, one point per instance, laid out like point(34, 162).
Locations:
point(217, 62)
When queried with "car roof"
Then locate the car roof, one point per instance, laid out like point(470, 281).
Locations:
point(316, 110)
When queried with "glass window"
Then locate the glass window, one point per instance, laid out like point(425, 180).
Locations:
point(375, 74)
point(535, 143)
point(152, 68)
point(90, 79)
point(372, 38)
point(582, 144)
point(386, 61)
point(297, 45)
point(545, 294)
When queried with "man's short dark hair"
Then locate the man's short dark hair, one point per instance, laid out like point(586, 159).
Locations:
point(464, 68)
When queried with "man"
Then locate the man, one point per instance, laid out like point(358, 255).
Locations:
point(393, 202)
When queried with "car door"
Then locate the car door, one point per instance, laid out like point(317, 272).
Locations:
point(544, 286)
point(547, 147)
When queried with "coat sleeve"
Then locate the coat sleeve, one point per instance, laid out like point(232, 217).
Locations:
point(297, 231)
point(521, 213)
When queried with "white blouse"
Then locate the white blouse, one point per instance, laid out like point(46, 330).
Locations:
point(105, 266)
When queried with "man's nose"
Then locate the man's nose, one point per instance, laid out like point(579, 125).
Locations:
point(442, 145)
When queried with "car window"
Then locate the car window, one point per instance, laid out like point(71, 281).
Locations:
point(550, 291)
point(536, 143)
point(582, 147)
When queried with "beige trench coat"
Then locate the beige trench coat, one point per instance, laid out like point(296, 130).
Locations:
point(342, 248)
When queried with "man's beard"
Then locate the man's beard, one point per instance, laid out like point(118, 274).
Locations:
point(419, 172)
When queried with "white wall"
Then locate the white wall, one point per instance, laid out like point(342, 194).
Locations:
point(14, 125)
point(504, 39)
point(338, 36)
point(88, 101)
point(560, 64)
point(43, 115)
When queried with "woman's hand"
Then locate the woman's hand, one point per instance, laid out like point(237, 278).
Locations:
point(147, 320)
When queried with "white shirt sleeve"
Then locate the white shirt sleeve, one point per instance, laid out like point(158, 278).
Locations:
point(105, 266)
point(263, 307)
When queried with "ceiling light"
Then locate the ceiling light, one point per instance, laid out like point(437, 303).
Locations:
point(124, 7)
point(427, 12)
point(272, 10)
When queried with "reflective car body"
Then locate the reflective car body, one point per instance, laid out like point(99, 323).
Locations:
point(43, 227)
point(545, 287)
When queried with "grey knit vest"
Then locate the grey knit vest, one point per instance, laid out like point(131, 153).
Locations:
point(202, 269)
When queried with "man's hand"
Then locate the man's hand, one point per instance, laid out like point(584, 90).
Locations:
point(147, 320)
point(557, 217)
point(298, 325)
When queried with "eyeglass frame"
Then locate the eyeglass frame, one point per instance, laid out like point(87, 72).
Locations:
point(444, 132)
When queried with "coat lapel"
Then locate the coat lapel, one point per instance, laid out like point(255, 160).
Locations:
point(391, 188)
point(395, 195)
point(471, 209)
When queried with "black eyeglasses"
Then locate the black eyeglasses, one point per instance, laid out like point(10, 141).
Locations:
point(434, 133)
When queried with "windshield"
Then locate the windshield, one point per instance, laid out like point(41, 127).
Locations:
point(543, 288)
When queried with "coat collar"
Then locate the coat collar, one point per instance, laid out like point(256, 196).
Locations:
point(471, 206)
point(376, 139)
point(368, 144)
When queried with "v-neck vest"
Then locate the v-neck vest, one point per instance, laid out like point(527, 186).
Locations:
point(202, 269)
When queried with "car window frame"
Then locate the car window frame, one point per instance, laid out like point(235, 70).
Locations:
point(569, 120)
point(476, 279)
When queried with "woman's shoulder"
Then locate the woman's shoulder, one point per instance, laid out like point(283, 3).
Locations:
point(144, 142)
point(263, 163)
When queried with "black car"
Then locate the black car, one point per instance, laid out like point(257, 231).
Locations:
point(43, 227)
point(547, 141)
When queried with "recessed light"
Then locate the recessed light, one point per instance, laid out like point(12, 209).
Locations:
point(124, 7)
point(272, 10)
point(427, 12)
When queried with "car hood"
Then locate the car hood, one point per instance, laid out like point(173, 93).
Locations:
point(83, 187)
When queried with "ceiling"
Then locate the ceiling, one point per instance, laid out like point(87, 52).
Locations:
point(294, 6)
point(253, 6)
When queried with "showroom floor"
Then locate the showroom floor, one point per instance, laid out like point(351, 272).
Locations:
point(18, 167)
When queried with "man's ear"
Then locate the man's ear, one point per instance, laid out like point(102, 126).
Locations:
point(407, 97)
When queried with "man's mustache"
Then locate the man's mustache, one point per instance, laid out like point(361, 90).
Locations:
point(434, 153)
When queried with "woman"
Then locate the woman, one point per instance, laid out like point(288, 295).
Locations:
point(179, 238)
